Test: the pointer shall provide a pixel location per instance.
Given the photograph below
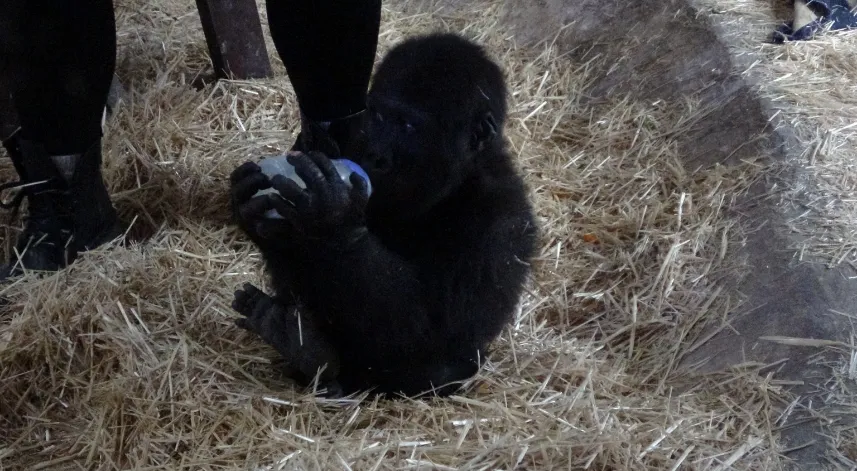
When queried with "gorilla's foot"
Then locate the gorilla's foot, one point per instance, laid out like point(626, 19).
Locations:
point(295, 336)
point(69, 209)
point(256, 307)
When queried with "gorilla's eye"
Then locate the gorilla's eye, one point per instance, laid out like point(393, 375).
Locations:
point(409, 128)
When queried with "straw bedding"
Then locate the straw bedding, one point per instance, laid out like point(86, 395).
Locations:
point(129, 359)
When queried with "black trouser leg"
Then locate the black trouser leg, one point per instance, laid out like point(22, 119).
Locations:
point(328, 48)
point(56, 61)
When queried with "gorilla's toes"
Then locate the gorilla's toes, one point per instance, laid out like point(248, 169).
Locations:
point(249, 299)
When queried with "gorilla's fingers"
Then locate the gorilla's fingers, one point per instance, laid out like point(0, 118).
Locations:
point(359, 189)
point(290, 191)
point(255, 207)
point(285, 209)
point(325, 165)
point(243, 171)
point(309, 172)
point(248, 186)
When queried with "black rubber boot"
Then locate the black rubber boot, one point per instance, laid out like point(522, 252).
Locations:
point(69, 209)
point(339, 138)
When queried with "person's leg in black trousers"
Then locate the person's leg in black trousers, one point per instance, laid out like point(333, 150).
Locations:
point(56, 63)
point(328, 48)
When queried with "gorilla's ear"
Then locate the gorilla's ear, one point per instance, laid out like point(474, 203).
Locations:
point(484, 131)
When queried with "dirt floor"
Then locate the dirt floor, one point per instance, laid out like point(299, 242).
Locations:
point(665, 326)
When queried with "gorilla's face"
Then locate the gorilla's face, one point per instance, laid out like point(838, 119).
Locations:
point(433, 108)
point(416, 155)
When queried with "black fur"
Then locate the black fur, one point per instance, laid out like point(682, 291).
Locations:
point(410, 286)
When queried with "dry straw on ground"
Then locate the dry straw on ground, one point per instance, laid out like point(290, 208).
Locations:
point(129, 359)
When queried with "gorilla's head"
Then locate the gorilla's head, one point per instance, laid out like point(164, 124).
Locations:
point(436, 111)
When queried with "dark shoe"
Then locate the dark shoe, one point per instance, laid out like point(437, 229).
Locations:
point(339, 138)
point(69, 209)
point(835, 14)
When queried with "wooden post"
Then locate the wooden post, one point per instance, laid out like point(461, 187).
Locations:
point(233, 33)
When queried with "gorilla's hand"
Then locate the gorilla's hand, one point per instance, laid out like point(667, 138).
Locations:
point(328, 209)
point(249, 211)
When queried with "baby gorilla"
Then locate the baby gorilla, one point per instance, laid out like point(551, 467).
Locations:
point(402, 292)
